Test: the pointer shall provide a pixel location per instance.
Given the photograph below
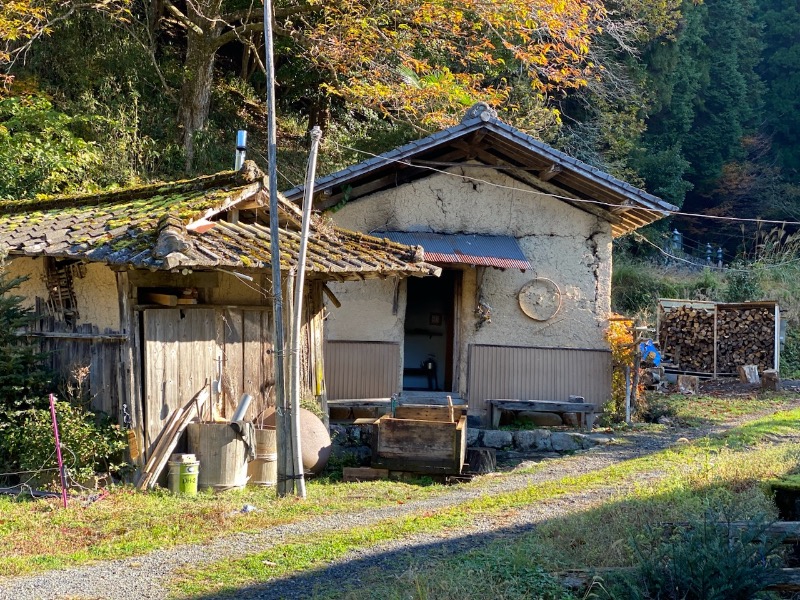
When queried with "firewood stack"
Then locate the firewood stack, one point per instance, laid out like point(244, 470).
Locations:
point(686, 336)
point(745, 336)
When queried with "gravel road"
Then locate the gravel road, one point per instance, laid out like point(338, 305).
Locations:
point(145, 577)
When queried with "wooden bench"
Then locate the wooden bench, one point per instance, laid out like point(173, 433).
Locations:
point(584, 410)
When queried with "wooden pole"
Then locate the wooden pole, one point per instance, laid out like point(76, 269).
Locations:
point(282, 430)
point(297, 308)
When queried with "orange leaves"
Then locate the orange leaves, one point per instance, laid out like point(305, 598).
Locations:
point(459, 50)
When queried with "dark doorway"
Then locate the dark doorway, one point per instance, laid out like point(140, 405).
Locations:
point(429, 330)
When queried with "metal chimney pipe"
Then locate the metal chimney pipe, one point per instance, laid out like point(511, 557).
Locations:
point(241, 148)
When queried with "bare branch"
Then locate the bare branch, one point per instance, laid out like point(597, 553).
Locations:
point(182, 18)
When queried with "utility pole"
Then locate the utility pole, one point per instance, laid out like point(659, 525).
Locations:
point(286, 476)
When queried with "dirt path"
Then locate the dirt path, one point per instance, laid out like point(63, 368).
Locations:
point(146, 576)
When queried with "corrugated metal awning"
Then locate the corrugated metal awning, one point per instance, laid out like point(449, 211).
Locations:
point(500, 251)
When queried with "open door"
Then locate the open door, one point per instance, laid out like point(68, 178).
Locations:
point(429, 332)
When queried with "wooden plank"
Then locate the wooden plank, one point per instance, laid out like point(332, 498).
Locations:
point(353, 474)
point(233, 354)
point(420, 443)
point(253, 374)
point(161, 299)
point(425, 413)
point(170, 436)
point(153, 373)
point(67, 335)
point(543, 405)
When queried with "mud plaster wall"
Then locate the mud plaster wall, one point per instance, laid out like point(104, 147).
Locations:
point(565, 244)
point(95, 293)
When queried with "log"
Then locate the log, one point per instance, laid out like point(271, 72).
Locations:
point(748, 374)
point(481, 460)
point(770, 381)
point(688, 384)
point(744, 335)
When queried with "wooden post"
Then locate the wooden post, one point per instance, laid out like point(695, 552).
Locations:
point(129, 382)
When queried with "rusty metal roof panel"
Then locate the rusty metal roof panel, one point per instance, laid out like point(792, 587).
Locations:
point(500, 251)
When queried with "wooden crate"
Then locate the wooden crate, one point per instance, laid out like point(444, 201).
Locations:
point(419, 446)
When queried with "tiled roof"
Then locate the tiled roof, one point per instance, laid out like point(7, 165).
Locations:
point(510, 150)
point(146, 227)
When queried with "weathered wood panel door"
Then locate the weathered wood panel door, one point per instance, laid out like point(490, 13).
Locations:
point(185, 348)
point(180, 349)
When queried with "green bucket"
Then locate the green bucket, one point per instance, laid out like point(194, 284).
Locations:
point(183, 472)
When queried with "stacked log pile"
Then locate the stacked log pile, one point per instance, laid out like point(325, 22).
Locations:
point(686, 336)
point(745, 336)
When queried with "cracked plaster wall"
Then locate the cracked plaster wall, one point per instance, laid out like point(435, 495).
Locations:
point(95, 293)
point(564, 243)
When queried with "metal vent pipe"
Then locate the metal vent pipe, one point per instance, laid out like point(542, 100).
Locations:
point(241, 148)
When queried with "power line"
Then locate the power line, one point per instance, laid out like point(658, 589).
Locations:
point(568, 198)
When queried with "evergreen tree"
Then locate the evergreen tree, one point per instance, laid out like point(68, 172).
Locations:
point(23, 379)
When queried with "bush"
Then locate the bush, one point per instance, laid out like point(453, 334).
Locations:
point(707, 559)
point(90, 442)
point(743, 286)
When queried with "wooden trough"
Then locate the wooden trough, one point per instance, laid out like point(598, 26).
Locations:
point(430, 441)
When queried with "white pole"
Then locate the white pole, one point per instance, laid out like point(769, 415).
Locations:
point(308, 198)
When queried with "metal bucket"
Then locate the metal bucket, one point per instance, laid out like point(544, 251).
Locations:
point(183, 472)
point(221, 452)
point(263, 470)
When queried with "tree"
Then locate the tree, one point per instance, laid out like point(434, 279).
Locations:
point(24, 21)
point(421, 61)
point(23, 381)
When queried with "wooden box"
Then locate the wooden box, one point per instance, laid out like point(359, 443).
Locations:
point(420, 446)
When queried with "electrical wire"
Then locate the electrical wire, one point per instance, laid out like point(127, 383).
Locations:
point(559, 197)
point(641, 238)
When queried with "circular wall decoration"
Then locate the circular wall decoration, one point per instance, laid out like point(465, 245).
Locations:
point(540, 299)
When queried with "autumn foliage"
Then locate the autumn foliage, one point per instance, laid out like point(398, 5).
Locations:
point(620, 340)
point(427, 60)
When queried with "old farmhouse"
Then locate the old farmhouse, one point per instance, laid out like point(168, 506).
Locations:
point(523, 234)
point(162, 289)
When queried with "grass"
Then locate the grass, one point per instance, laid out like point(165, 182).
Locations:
point(698, 411)
point(723, 471)
point(39, 535)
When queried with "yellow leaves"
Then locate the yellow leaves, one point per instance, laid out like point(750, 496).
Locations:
point(458, 49)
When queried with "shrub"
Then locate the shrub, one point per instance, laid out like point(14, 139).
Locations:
point(90, 442)
point(707, 559)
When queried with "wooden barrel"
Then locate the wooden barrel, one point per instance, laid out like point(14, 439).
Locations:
point(264, 469)
point(222, 455)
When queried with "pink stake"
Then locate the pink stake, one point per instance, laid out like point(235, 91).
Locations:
point(58, 451)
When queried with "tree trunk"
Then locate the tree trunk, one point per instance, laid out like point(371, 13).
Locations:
point(198, 70)
point(196, 90)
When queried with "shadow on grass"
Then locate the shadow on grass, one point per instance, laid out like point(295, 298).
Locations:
point(510, 562)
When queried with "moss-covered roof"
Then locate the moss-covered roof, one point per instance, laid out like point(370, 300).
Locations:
point(184, 224)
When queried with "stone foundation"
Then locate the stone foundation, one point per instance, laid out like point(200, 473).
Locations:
point(352, 443)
